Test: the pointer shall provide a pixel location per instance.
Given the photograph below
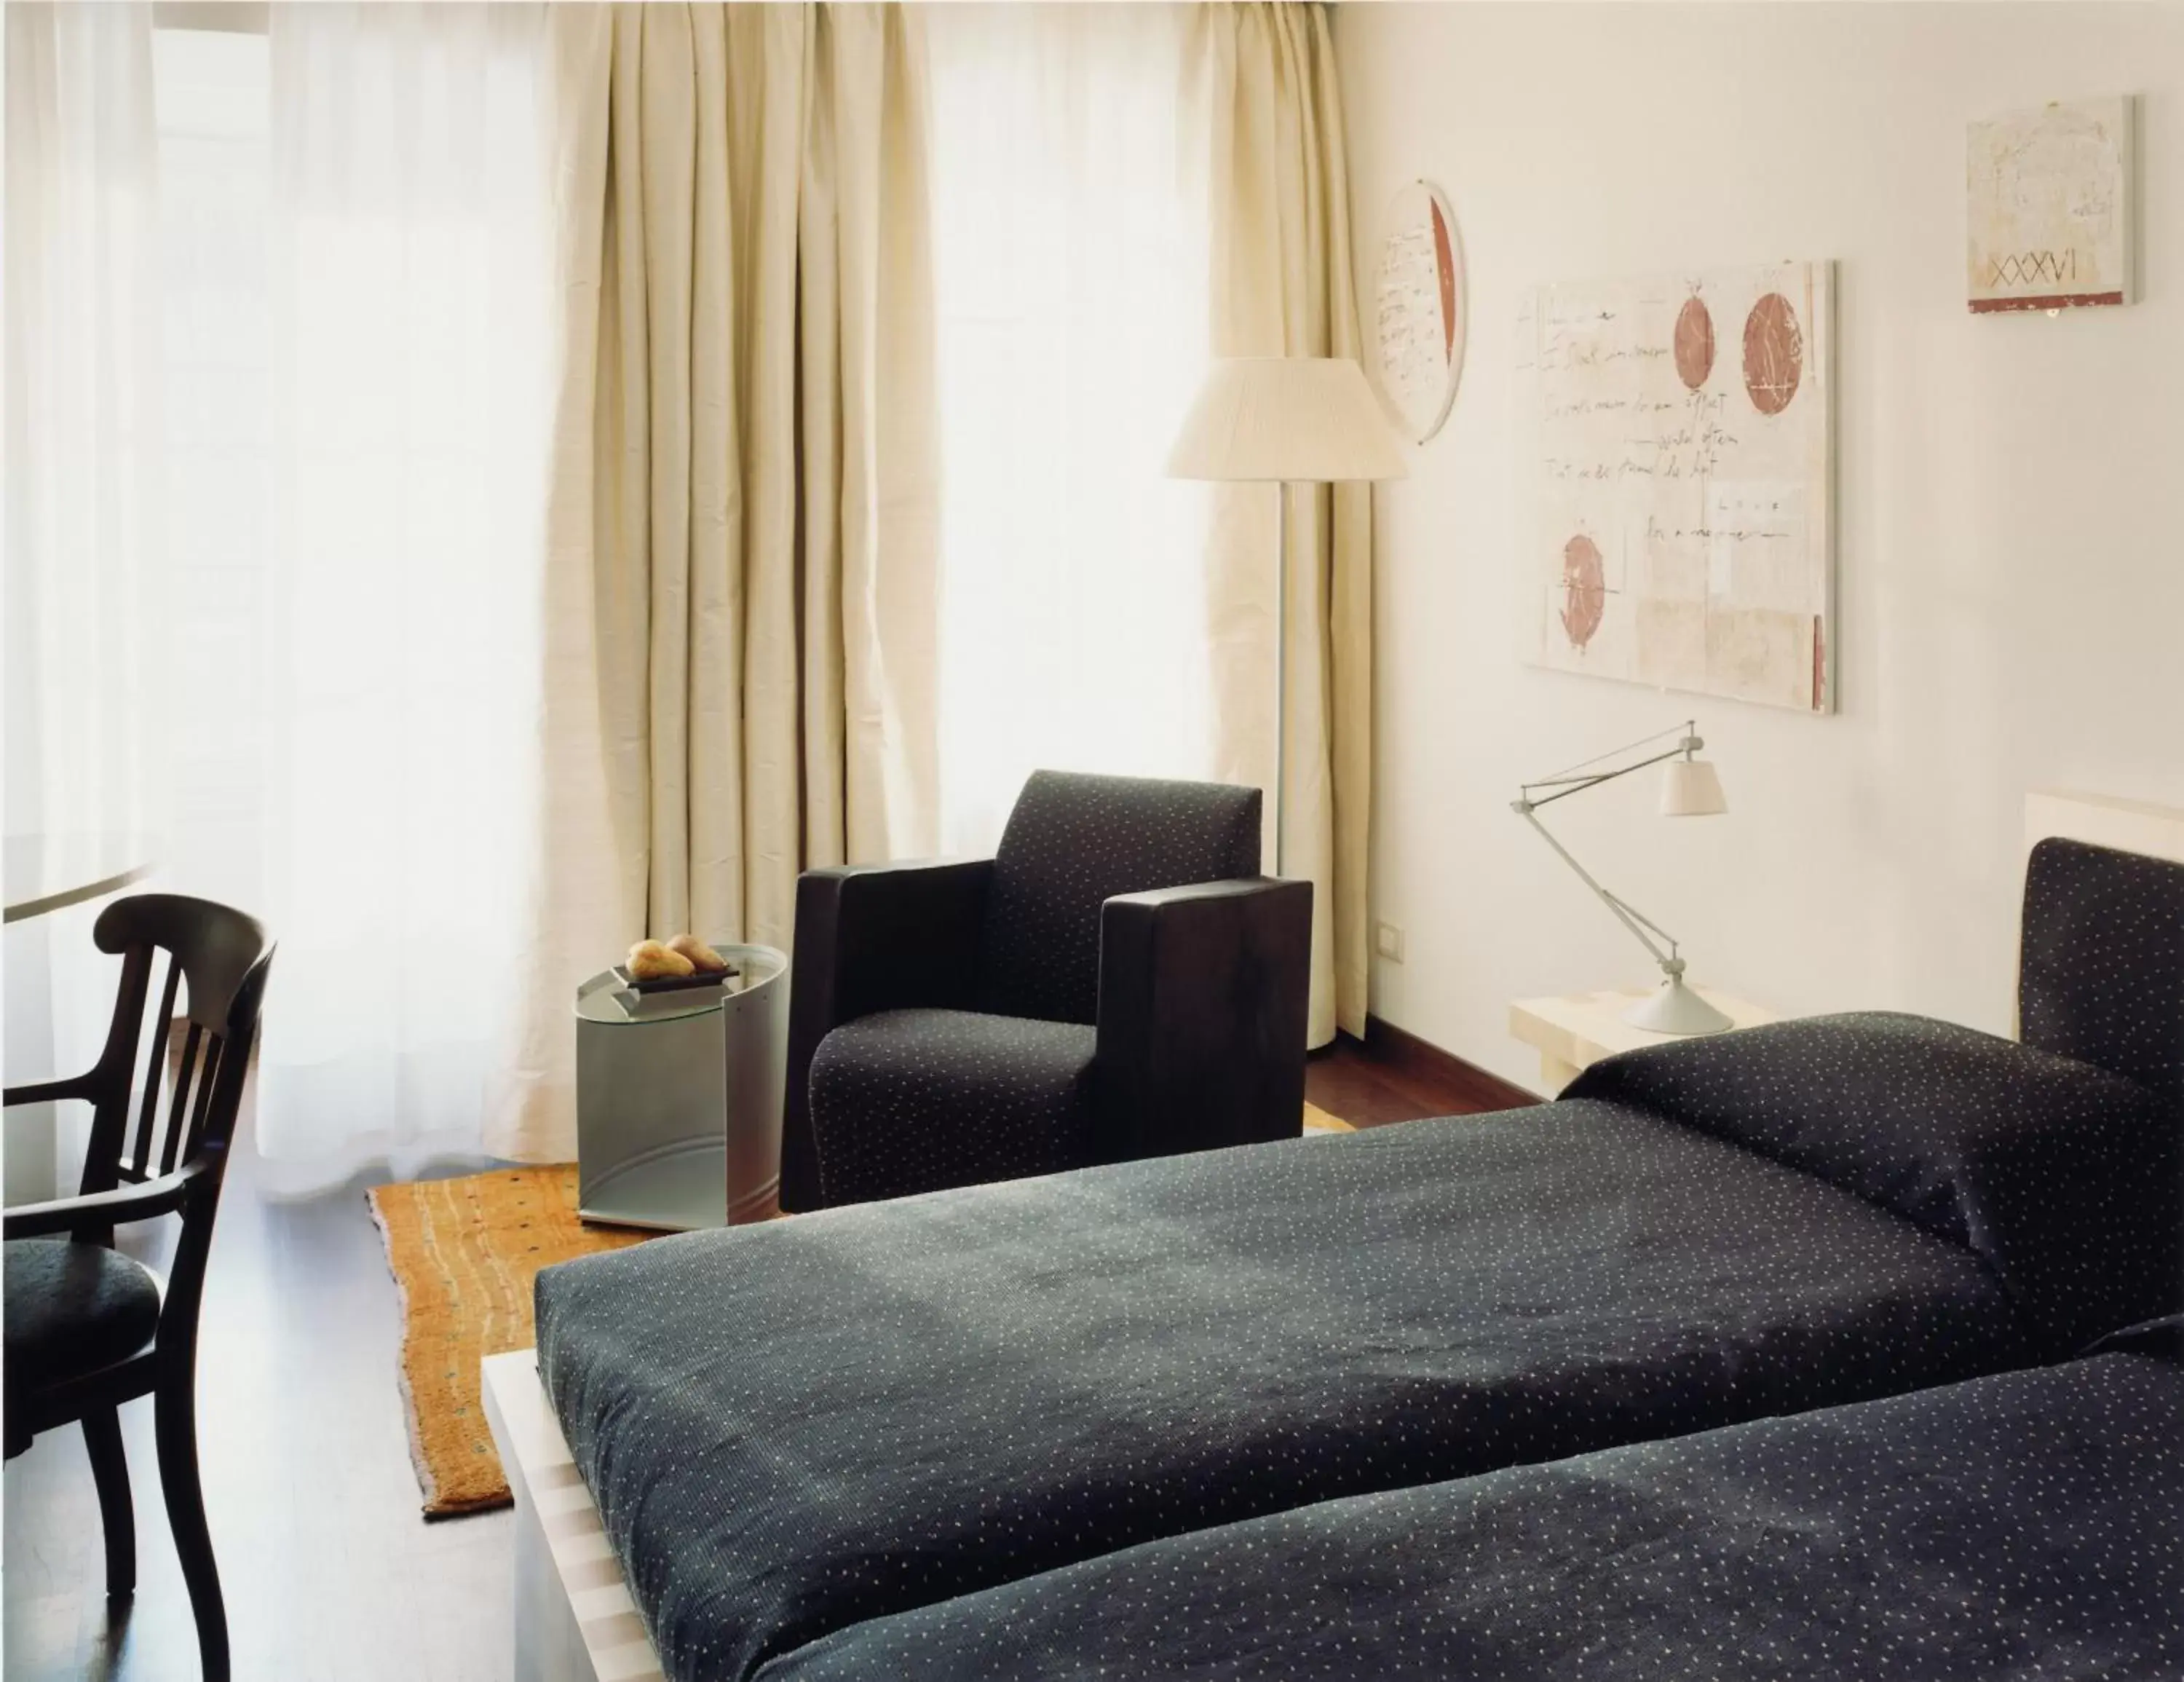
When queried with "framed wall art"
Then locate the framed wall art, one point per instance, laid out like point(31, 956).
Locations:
point(2049, 218)
point(1676, 460)
point(1418, 299)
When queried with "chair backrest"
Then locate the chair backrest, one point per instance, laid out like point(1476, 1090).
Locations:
point(217, 959)
point(2101, 977)
point(1073, 842)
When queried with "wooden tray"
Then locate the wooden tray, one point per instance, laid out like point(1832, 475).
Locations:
point(672, 983)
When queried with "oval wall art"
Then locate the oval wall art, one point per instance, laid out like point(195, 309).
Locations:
point(1419, 303)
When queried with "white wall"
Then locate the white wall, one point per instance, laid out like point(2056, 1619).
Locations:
point(2010, 500)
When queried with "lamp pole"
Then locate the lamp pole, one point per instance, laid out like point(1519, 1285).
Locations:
point(1284, 421)
point(1281, 654)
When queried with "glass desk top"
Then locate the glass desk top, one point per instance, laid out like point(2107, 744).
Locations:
point(45, 872)
point(605, 999)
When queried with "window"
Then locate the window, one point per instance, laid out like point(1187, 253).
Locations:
point(1073, 332)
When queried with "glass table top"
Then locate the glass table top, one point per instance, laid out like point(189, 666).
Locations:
point(607, 997)
point(45, 871)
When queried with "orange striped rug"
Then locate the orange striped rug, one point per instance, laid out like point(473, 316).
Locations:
point(1317, 1120)
point(463, 1253)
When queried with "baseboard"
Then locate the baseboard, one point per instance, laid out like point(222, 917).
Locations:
point(1404, 1054)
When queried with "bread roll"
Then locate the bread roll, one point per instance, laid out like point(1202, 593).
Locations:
point(649, 959)
point(698, 953)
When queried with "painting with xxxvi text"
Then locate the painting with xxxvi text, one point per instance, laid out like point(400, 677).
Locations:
point(1676, 469)
point(2048, 218)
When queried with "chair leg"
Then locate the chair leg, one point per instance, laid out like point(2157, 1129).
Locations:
point(110, 1471)
point(175, 1427)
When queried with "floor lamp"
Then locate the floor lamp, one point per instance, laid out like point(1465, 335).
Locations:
point(1284, 421)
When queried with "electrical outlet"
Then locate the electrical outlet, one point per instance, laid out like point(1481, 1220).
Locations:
point(1388, 942)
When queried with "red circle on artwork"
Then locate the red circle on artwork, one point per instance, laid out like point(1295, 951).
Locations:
point(1444, 269)
point(1584, 590)
point(1694, 344)
point(1774, 354)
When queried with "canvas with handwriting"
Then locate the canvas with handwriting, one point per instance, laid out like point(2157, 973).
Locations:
point(1676, 449)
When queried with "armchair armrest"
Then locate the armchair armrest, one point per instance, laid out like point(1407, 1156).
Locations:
point(871, 938)
point(101, 1211)
point(1203, 995)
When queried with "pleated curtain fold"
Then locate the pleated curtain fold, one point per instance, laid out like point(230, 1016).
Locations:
point(742, 524)
point(1262, 95)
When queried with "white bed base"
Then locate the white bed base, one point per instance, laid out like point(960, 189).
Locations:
point(575, 1621)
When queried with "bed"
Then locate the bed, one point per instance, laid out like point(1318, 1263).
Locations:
point(777, 1435)
point(2029, 1523)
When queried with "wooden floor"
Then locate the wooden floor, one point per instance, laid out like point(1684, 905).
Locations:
point(1372, 1086)
point(329, 1573)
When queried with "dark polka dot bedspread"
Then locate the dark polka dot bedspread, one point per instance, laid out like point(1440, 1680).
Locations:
point(2030, 1525)
point(793, 1428)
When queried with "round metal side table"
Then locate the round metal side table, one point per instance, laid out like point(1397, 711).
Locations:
point(679, 1097)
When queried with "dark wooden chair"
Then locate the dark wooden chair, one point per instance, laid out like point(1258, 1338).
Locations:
point(89, 1328)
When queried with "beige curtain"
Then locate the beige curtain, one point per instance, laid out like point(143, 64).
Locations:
point(1263, 84)
point(743, 524)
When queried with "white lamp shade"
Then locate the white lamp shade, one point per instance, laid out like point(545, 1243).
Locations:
point(1285, 418)
point(1691, 788)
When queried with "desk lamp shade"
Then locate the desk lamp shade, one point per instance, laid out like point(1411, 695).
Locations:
point(1285, 418)
point(1691, 788)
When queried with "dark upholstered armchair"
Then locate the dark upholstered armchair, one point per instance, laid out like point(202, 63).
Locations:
point(1118, 981)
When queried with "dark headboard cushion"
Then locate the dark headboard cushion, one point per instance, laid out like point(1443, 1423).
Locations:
point(2066, 1177)
point(2102, 975)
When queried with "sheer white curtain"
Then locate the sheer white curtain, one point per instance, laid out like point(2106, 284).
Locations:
point(85, 478)
point(354, 212)
point(85, 472)
point(1072, 318)
point(214, 164)
point(409, 247)
point(1121, 192)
